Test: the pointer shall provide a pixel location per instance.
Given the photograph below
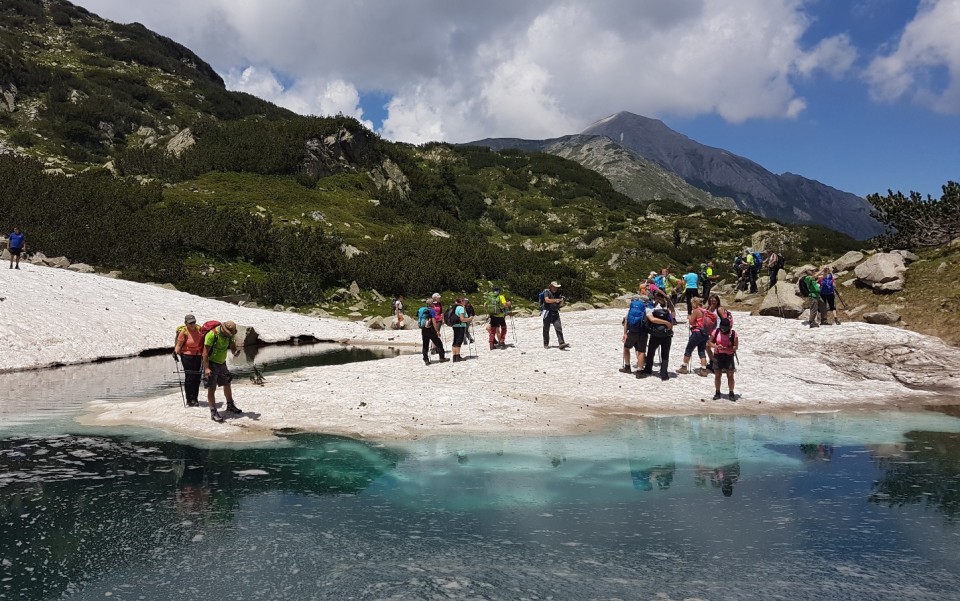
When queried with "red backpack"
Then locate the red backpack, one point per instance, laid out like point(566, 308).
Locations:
point(709, 321)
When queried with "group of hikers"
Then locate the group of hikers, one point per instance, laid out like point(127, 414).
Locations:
point(648, 327)
point(202, 350)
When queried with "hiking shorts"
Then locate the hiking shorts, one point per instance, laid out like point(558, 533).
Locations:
point(16, 251)
point(498, 322)
point(219, 375)
point(636, 341)
point(724, 363)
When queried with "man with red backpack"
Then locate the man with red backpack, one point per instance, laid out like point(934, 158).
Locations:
point(724, 343)
point(218, 339)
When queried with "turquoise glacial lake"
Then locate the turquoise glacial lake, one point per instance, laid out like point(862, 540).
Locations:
point(814, 506)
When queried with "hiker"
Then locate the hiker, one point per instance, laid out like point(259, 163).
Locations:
point(828, 292)
point(649, 285)
point(438, 307)
point(550, 303)
point(497, 308)
point(429, 321)
point(189, 350)
point(712, 314)
point(660, 329)
point(724, 343)
point(16, 245)
point(672, 285)
point(398, 312)
point(635, 332)
point(774, 264)
point(460, 324)
point(750, 259)
point(698, 339)
point(691, 283)
point(708, 278)
point(215, 345)
point(810, 289)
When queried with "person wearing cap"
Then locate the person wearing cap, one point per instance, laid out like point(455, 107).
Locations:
point(709, 277)
point(189, 349)
point(460, 328)
point(818, 308)
point(215, 346)
point(497, 307)
point(698, 338)
point(724, 343)
point(552, 301)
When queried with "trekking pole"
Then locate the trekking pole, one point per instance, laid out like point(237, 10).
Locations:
point(180, 382)
point(779, 302)
point(840, 298)
point(513, 326)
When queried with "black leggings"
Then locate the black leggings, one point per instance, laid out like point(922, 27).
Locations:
point(664, 345)
point(430, 335)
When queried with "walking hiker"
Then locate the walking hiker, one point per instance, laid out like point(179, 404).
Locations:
point(429, 321)
point(828, 292)
point(691, 283)
point(810, 289)
point(16, 244)
point(497, 307)
point(216, 343)
point(660, 328)
point(550, 303)
point(460, 321)
point(468, 307)
point(398, 312)
point(698, 339)
point(724, 343)
point(189, 350)
point(708, 278)
point(635, 332)
point(753, 269)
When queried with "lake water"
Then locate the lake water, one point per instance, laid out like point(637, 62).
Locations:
point(816, 506)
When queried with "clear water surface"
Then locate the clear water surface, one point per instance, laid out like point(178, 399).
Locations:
point(816, 506)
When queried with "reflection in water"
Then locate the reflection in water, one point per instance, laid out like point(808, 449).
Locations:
point(656, 508)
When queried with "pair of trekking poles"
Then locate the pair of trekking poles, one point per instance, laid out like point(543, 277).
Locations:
point(183, 395)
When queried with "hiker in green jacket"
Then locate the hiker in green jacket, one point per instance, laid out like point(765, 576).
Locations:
point(817, 306)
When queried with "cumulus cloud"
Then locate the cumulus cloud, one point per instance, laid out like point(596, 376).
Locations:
point(458, 71)
point(924, 64)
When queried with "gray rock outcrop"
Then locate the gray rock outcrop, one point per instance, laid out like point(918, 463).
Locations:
point(81, 268)
point(847, 261)
point(908, 257)
point(179, 143)
point(781, 300)
point(883, 272)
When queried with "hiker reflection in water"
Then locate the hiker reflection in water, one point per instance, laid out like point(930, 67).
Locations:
point(644, 475)
point(724, 477)
point(817, 452)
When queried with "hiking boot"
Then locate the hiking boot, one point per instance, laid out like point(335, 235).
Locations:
point(625, 370)
point(493, 345)
point(732, 396)
point(216, 416)
point(683, 370)
point(443, 360)
point(426, 361)
point(716, 396)
point(193, 403)
point(836, 321)
point(702, 372)
point(814, 324)
point(564, 345)
point(664, 377)
point(642, 374)
point(233, 408)
point(546, 346)
point(502, 345)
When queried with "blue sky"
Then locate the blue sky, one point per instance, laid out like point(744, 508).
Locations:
point(863, 95)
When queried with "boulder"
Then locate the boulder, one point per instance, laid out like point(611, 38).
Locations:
point(38, 258)
point(848, 283)
point(781, 300)
point(58, 262)
point(81, 268)
point(847, 261)
point(377, 323)
point(247, 336)
point(942, 267)
point(577, 307)
point(796, 273)
point(880, 268)
point(621, 302)
point(854, 311)
point(350, 251)
point(354, 289)
point(882, 317)
point(179, 143)
point(888, 287)
point(908, 256)
point(377, 296)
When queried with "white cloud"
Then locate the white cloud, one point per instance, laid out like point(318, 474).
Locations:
point(924, 65)
point(464, 70)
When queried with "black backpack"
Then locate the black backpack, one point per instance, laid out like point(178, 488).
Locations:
point(658, 330)
point(780, 261)
point(802, 287)
point(450, 316)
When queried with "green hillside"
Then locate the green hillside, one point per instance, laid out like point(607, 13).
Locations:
point(124, 150)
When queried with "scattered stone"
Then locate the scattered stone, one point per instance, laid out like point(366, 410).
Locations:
point(354, 289)
point(436, 232)
point(888, 287)
point(81, 268)
point(855, 311)
point(942, 267)
point(882, 317)
point(849, 283)
point(278, 307)
point(350, 251)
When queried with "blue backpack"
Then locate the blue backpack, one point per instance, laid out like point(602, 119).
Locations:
point(540, 299)
point(636, 315)
point(424, 315)
point(757, 260)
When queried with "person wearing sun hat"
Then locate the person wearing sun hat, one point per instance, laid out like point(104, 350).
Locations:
point(215, 346)
point(552, 301)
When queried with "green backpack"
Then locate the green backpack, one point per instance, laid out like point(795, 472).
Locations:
point(493, 305)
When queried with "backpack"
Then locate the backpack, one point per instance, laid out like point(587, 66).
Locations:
point(658, 330)
point(450, 316)
point(709, 321)
point(660, 282)
point(207, 326)
point(636, 315)
point(702, 274)
point(493, 305)
point(826, 285)
point(802, 286)
point(176, 337)
point(731, 337)
point(540, 299)
point(757, 259)
point(780, 261)
point(424, 317)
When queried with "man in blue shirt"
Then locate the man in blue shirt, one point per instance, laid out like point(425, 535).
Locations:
point(16, 245)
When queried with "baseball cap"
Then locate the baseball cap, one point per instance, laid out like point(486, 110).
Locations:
point(189, 318)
